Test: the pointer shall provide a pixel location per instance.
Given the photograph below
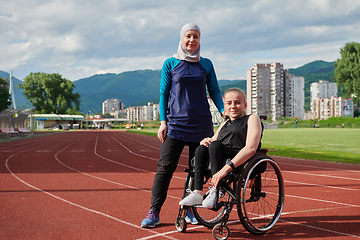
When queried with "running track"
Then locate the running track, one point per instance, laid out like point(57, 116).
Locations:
point(97, 185)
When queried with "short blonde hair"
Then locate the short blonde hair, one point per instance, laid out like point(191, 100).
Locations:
point(238, 90)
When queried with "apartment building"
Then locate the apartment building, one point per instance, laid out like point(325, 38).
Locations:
point(112, 105)
point(269, 91)
point(322, 89)
point(147, 112)
point(258, 90)
point(324, 108)
point(297, 97)
point(134, 113)
point(150, 112)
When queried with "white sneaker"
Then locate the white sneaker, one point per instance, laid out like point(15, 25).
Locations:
point(194, 198)
point(209, 201)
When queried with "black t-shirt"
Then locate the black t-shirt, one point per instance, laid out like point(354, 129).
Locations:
point(233, 133)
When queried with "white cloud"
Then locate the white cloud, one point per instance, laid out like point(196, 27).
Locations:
point(80, 38)
point(70, 43)
point(111, 65)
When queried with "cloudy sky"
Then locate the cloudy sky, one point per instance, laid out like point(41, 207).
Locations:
point(80, 38)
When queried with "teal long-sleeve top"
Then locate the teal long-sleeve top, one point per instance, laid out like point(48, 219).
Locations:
point(183, 99)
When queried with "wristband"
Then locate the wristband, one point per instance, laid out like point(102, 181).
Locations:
point(231, 164)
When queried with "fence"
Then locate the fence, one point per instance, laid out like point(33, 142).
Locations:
point(270, 126)
point(320, 124)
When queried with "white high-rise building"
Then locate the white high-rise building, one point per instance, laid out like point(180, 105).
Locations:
point(150, 112)
point(112, 105)
point(297, 97)
point(134, 114)
point(268, 90)
point(325, 108)
point(321, 89)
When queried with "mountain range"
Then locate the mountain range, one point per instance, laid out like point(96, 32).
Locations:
point(142, 86)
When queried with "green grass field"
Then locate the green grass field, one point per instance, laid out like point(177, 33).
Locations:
point(325, 144)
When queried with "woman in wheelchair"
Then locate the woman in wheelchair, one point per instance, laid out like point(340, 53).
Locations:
point(237, 138)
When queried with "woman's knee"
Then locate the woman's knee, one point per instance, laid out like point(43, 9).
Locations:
point(167, 166)
point(215, 146)
point(201, 151)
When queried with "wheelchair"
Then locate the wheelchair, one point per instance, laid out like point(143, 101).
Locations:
point(255, 187)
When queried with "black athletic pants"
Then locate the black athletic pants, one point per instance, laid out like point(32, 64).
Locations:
point(217, 153)
point(170, 152)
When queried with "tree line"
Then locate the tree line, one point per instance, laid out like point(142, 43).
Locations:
point(48, 93)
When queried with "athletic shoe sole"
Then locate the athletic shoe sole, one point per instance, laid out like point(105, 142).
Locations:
point(150, 226)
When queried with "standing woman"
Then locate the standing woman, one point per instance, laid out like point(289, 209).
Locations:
point(184, 111)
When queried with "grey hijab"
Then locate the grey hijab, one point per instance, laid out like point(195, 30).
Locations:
point(183, 53)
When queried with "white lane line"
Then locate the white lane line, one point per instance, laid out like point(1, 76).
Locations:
point(319, 185)
point(284, 158)
point(294, 172)
point(79, 206)
point(319, 228)
point(158, 235)
point(74, 204)
point(313, 199)
point(321, 175)
point(336, 170)
point(318, 167)
point(157, 148)
point(104, 179)
point(20, 143)
point(321, 200)
point(313, 210)
point(136, 154)
point(189, 228)
point(284, 213)
point(178, 198)
point(325, 186)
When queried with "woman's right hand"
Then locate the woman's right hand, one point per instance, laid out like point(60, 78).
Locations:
point(225, 115)
point(206, 141)
point(162, 131)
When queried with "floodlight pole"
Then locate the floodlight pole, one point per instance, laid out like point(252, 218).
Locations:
point(11, 90)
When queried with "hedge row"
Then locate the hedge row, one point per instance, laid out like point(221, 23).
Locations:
point(329, 123)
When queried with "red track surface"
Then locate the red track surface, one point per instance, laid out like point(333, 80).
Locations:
point(97, 185)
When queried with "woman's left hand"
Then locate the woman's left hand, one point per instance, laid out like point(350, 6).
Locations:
point(218, 176)
point(206, 142)
point(162, 131)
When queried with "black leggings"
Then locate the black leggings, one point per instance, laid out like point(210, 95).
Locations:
point(217, 153)
point(170, 152)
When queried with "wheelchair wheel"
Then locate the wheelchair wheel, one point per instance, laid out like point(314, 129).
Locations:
point(260, 194)
point(221, 232)
point(180, 224)
point(209, 217)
